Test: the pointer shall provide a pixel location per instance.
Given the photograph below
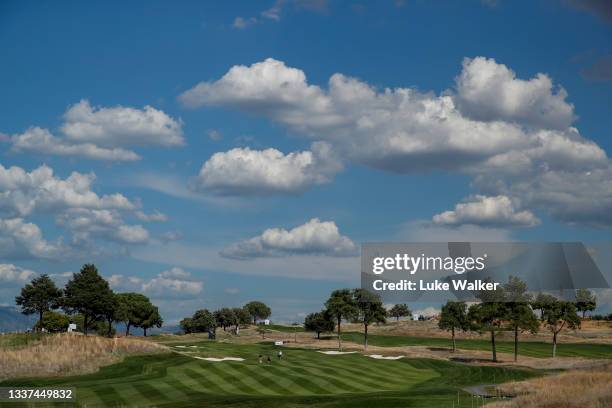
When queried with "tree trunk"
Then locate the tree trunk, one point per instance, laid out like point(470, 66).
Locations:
point(554, 351)
point(515, 343)
point(318, 335)
point(583, 313)
point(366, 336)
point(127, 329)
point(397, 318)
point(339, 336)
point(110, 327)
point(40, 315)
point(85, 324)
point(454, 343)
point(145, 331)
point(493, 346)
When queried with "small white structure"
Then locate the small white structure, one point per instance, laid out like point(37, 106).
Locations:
point(266, 322)
point(278, 343)
point(72, 327)
point(415, 316)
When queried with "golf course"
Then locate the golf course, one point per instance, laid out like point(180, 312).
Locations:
point(304, 377)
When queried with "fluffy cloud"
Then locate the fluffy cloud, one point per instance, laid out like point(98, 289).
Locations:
point(503, 130)
point(315, 237)
point(121, 126)
point(172, 283)
point(101, 133)
point(38, 140)
point(242, 171)
point(490, 91)
point(24, 240)
point(498, 211)
point(23, 192)
point(10, 273)
point(108, 224)
point(75, 206)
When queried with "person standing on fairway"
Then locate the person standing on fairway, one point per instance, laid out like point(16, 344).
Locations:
point(280, 355)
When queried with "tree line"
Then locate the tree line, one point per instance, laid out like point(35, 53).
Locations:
point(88, 301)
point(204, 321)
point(509, 308)
point(512, 308)
point(355, 305)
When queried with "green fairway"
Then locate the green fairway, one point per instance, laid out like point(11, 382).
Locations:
point(526, 348)
point(302, 378)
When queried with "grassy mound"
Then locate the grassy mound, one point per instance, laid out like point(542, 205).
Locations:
point(65, 354)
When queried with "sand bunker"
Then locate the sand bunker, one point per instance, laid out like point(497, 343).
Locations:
point(334, 352)
point(380, 357)
point(219, 359)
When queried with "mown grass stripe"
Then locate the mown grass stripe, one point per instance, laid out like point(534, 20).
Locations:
point(150, 393)
point(236, 379)
point(202, 378)
point(300, 381)
point(267, 380)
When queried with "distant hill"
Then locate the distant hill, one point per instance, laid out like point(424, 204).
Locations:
point(11, 320)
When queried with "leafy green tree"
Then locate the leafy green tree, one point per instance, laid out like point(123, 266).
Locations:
point(541, 302)
point(319, 322)
point(104, 328)
point(585, 301)
point(342, 306)
point(454, 317)
point(369, 310)
point(39, 296)
point(109, 313)
point(131, 309)
point(489, 315)
point(54, 322)
point(558, 315)
point(520, 316)
point(150, 318)
point(203, 321)
point(186, 325)
point(89, 294)
point(225, 317)
point(258, 310)
point(400, 310)
point(242, 318)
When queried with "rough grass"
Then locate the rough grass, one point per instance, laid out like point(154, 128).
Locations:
point(68, 354)
point(572, 389)
point(15, 340)
point(526, 348)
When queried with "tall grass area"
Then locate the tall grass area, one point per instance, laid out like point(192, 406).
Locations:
point(15, 340)
point(66, 354)
point(572, 389)
point(526, 348)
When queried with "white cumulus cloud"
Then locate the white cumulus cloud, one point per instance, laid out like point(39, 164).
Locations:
point(171, 284)
point(102, 133)
point(314, 237)
point(242, 171)
point(490, 91)
point(10, 273)
point(497, 211)
point(511, 134)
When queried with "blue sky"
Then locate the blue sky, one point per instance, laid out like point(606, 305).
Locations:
point(449, 120)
